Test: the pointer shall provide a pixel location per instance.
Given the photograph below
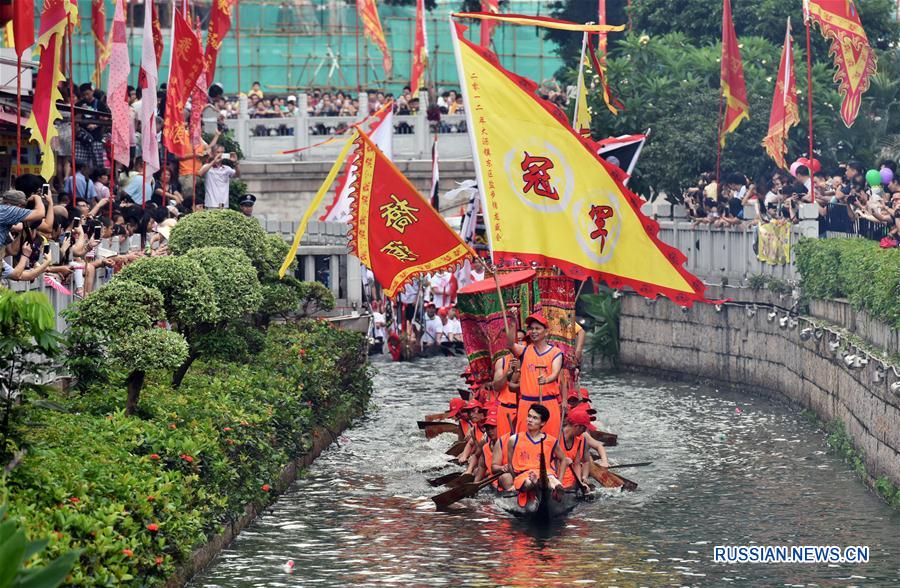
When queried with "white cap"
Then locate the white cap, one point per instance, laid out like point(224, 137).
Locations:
point(291, 98)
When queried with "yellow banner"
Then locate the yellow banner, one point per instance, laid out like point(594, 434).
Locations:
point(549, 198)
point(541, 21)
point(774, 243)
point(314, 205)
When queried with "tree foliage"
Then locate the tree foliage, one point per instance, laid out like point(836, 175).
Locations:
point(234, 283)
point(220, 228)
point(666, 72)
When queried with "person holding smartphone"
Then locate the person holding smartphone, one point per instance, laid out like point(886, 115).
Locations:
point(13, 210)
point(218, 177)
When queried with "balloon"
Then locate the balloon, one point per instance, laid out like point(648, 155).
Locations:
point(794, 167)
point(873, 178)
point(813, 165)
point(886, 175)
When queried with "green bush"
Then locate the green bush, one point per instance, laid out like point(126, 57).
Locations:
point(187, 290)
point(233, 278)
point(235, 341)
point(137, 496)
point(118, 307)
point(856, 269)
point(276, 250)
point(314, 297)
point(220, 228)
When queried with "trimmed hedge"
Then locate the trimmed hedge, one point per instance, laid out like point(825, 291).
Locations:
point(856, 269)
point(138, 495)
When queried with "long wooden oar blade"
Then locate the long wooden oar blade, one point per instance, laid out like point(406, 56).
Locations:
point(456, 448)
point(610, 480)
point(436, 417)
point(608, 439)
point(441, 480)
point(452, 495)
point(463, 479)
point(432, 430)
point(429, 424)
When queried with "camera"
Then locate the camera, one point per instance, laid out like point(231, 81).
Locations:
point(97, 232)
point(222, 127)
point(76, 222)
point(45, 189)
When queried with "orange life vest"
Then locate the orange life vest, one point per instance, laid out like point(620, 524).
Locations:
point(527, 451)
point(509, 407)
point(489, 453)
point(530, 391)
point(576, 454)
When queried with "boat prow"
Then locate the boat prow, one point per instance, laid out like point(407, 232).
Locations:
point(543, 509)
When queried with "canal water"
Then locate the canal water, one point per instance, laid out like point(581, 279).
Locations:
point(728, 469)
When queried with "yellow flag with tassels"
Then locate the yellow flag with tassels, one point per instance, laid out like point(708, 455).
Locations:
point(549, 198)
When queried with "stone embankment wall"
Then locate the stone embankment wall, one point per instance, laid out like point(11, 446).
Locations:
point(740, 345)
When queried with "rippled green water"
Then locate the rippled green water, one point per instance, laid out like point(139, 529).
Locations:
point(759, 474)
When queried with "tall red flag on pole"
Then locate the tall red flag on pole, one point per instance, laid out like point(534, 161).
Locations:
point(55, 17)
point(734, 90)
point(368, 14)
point(219, 25)
point(117, 89)
point(23, 25)
point(601, 14)
point(785, 112)
point(98, 28)
point(487, 27)
point(853, 57)
point(187, 63)
point(420, 51)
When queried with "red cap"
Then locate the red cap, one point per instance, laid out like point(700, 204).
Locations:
point(443, 311)
point(538, 318)
point(491, 418)
point(456, 405)
point(473, 404)
point(580, 417)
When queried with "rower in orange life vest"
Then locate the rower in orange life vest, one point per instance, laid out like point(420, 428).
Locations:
point(578, 421)
point(469, 456)
point(457, 412)
point(584, 403)
point(494, 455)
point(524, 453)
point(541, 364)
point(506, 386)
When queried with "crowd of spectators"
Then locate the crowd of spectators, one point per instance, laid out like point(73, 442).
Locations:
point(76, 226)
point(849, 199)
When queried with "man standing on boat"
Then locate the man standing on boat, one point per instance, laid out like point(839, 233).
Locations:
point(541, 364)
point(506, 387)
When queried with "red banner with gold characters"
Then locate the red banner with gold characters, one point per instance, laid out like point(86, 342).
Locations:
point(368, 15)
point(187, 63)
point(420, 51)
point(396, 233)
point(785, 112)
point(734, 89)
point(219, 25)
point(853, 57)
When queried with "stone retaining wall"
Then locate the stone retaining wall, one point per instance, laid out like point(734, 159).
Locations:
point(759, 355)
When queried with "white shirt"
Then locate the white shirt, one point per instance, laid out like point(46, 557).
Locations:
point(433, 329)
point(453, 327)
point(441, 283)
point(477, 275)
point(378, 318)
point(216, 181)
point(410, 293)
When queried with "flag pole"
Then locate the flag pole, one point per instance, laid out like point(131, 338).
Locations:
point(112, 177)
point(809, 104)
point(237, 39)
point(18, 114)
point(601, 38)
point(358, 84)
point(144, 185)
point(584, 43)
point(69, 29)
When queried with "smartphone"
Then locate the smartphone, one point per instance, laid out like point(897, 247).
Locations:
point(76, 222)
point(45, 189)
point(46, 249)
point(97, 232)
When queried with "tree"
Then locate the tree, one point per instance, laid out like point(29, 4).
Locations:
point(221, 228)
point(28, 340)
point(121, 318)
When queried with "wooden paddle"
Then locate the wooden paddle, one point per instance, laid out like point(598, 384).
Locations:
point(608, 439)
point(441, 480)
point(462, 479)
point(445, 499)
point(434, 429)
point(456, 448)
point(436, 417)
point(630, 465)
point(609, 480)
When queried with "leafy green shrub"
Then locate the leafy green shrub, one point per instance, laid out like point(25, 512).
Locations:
point(220, 228)
point(118, 307)
point(137, 496)
point(276, 250)
point(857, 269)
point(314, 297)
point(236, 341)
point(187, 290)
point(603, 327)
point(233, 278)
point(15, 550)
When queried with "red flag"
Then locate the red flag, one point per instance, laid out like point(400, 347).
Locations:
point(187, 63)
point(420, 50)
point(396, 232)
point(734, 90)
point(785, 112)
point(853, 57)
point(487, 27)
point(23, 25)
point(368, 14)
point(98, 27)
point(219, 25)
point(54, 20)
